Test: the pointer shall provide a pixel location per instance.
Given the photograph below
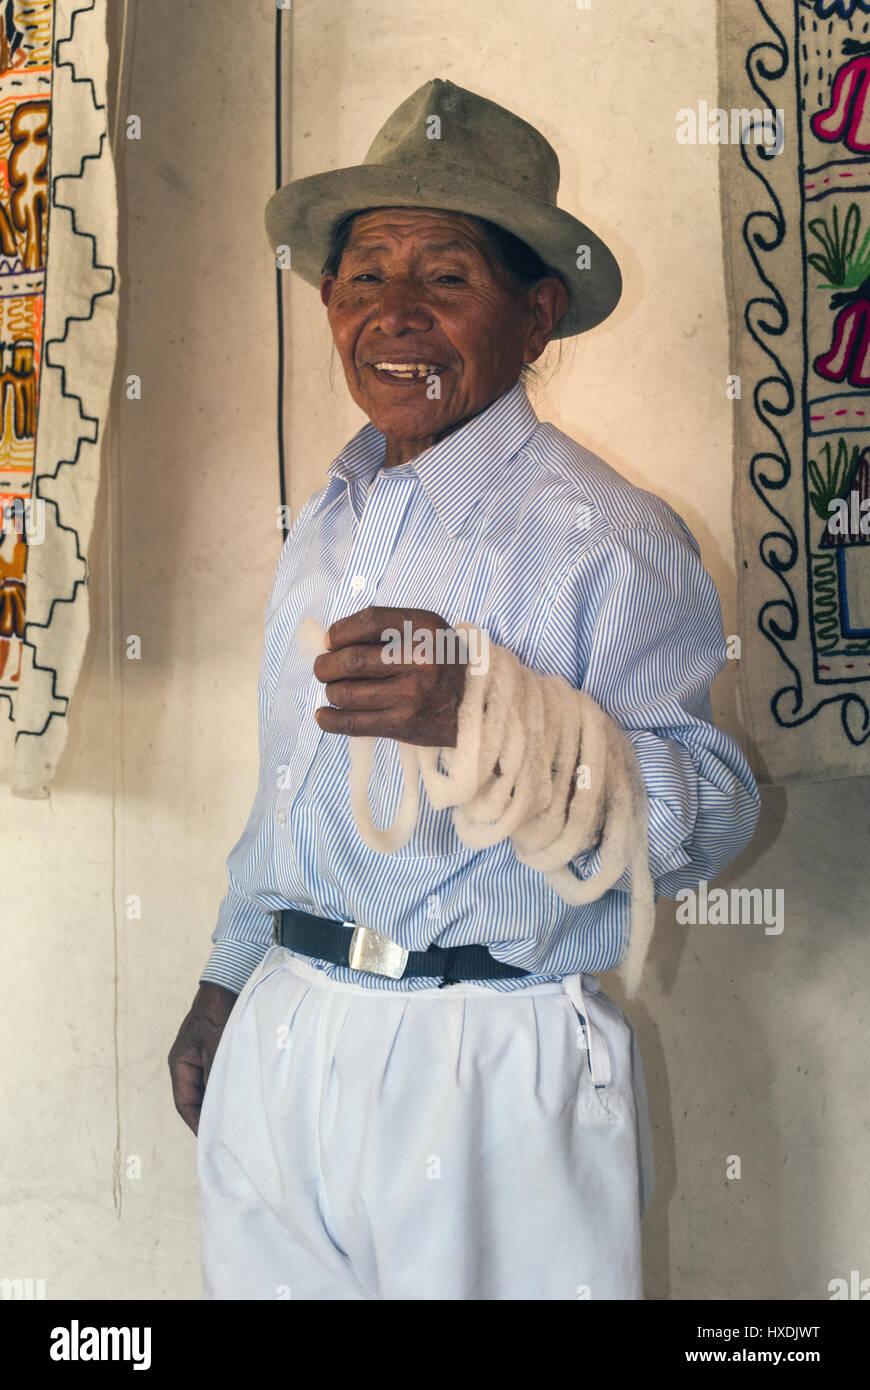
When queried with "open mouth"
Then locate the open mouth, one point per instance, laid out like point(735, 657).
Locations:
point(406, 372)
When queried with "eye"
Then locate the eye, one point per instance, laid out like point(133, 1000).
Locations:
point(364, 275)
point(450, 280)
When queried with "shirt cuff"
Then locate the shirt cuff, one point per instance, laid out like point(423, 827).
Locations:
point(232, 963)
point(588, 865)
point(664, 856)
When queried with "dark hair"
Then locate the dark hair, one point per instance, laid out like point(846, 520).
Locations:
point(522, 263)
point(340, 237)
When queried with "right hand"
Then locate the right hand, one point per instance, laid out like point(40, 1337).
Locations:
point(193, 1051)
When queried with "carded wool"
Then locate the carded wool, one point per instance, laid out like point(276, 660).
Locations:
point(544, 736)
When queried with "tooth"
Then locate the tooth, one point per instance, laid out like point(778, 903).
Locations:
point(407, 368)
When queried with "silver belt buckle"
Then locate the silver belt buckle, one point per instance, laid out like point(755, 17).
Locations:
point(375, 953)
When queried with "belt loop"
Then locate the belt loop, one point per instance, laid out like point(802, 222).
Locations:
point(597, 1050)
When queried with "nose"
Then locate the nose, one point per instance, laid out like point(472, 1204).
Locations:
point(400, 307)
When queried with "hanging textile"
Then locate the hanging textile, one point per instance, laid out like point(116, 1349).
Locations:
point(796, 225)
point(58, 327)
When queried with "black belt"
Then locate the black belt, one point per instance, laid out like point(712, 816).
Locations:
point(328, 940)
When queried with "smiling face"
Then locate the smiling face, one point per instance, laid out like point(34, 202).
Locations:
point(430, 327)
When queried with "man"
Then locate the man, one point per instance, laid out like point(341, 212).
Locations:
point(407, 1101)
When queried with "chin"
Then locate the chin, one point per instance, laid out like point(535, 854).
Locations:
point(409, 421)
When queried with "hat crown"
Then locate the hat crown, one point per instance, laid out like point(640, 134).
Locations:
point(450, 149)
point(469, 134)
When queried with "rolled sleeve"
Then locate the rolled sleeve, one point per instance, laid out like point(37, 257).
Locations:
point(241, 939)
point(651, 625)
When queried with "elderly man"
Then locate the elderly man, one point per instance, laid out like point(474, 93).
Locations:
point(420, 1091)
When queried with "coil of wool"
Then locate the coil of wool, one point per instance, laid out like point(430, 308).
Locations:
point(525, 739)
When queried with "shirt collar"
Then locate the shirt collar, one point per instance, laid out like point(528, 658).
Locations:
point(454, 472)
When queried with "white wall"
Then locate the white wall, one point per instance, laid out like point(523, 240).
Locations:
point(752, 1044)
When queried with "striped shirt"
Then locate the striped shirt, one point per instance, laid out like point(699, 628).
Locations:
point(509, 524)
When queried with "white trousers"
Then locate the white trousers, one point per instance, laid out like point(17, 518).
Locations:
point(455, 1143)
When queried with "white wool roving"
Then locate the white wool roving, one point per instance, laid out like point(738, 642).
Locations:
point(544, 735)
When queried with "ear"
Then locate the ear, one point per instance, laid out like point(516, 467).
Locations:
point(326, 285)
point(549, 304)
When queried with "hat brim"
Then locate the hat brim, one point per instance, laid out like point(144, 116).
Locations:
point(303, 214)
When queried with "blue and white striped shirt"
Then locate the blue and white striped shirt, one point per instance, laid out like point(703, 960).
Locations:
point(509, 524)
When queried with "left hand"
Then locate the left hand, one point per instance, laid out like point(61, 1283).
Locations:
point(414, 701)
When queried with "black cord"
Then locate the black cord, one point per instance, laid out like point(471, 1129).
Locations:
point(279, 282)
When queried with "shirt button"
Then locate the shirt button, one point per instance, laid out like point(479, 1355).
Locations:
point(282, 815)
point(358, 583)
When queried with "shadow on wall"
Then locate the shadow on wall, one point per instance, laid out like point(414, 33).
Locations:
point(745, 1043)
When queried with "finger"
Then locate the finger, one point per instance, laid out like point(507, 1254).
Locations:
point(355, 662)
point(188, 1088)
point(370, 624)
point(208, 1056)
point(362, 723)
point(370, 694)
point(190, 1115)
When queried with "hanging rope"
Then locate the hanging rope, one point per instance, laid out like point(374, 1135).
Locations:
point(536, 761)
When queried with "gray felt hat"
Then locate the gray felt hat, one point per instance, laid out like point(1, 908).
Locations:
point(477, 158)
